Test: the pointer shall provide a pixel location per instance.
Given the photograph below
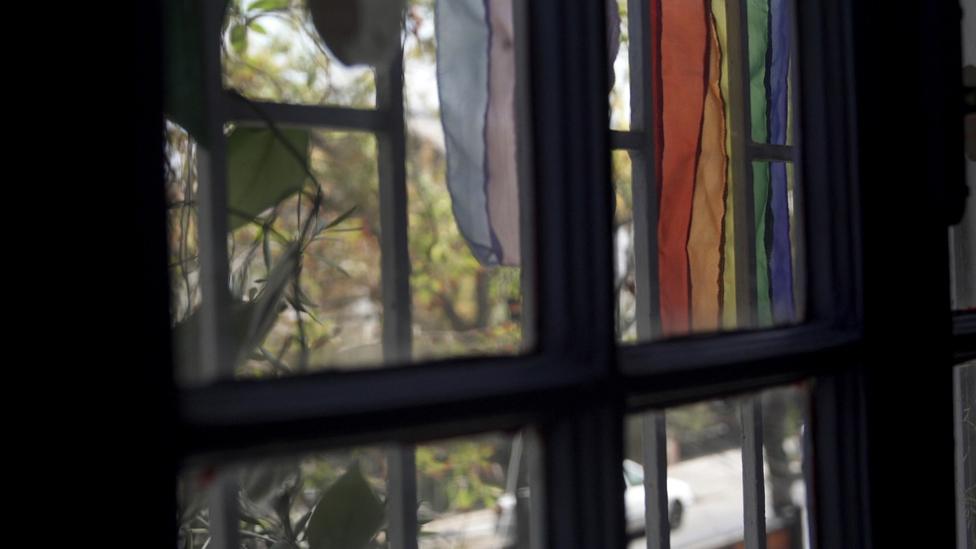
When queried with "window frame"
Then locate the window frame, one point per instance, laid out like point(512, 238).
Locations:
point(576, 386)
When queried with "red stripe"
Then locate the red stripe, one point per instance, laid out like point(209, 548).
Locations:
point(683, 38)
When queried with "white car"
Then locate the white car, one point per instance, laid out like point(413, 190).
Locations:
point(680, 497)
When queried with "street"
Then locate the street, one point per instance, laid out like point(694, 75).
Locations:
point(714, 520)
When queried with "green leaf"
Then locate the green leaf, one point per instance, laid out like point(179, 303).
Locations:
point(238, 38)
point(269, 5)
point(263, 170)
point(264, 310)
point(256, 27)
point(347, 516)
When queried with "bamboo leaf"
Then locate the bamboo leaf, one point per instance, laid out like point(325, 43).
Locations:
point(249, 321)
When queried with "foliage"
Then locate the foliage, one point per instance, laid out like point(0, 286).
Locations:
point(303, 221)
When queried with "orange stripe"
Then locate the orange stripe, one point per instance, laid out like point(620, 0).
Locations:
point(705, 237)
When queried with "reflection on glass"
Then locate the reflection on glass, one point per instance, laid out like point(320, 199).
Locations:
point(272, 52)
point(327, 500)
point(705, 472)
point(473, 493)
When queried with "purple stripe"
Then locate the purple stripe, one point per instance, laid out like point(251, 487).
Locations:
point(781, 266)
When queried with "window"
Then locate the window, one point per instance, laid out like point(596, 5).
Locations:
point(566, 393)
point(706, 230)
point(962, 240)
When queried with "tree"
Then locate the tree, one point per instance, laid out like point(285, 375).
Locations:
point(304, 260)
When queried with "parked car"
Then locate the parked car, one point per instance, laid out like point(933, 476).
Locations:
point(680, 497)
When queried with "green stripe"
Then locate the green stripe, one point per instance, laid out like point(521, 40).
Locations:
point(758, 23)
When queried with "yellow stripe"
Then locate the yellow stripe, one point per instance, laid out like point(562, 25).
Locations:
point(729, 319)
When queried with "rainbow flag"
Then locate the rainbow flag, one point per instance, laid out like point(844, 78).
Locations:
point(697, 250)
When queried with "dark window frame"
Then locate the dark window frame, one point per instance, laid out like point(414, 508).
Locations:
point(575, 388)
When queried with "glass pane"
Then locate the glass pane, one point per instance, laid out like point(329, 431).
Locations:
point(965, 412)
point(273, 51)
point(305, 248)
point(723, 217)
point(625, 285)
point(963, 235)
point(705, 472)
point(464, 180)
point(303, 219)
point(473, 492)
point(770, 36)
point(181, 187)
point(786, 454)
point(618, 36)
point(778, 244)
point(300, 502)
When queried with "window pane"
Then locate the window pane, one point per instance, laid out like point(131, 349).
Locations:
point(770, 36)
point(464, 178)
point(304, 254)
point(965, 412)
point(473, 492)
point(181, 188)
point(704, 455)
point(778, 240)
point(618, 36)
point(316, 281)
point(273, 51)
point(721, 211)
point(624, 269)
point(786, 455)
point(963, 235)
point(307, 501)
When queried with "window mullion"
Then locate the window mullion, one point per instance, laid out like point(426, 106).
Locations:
point(753, 489)
point(655, 451)
point(771, 152)
point(741, 133)
point(643, 169)
point(395, 279)
point(216, 359)
point(245, 111)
